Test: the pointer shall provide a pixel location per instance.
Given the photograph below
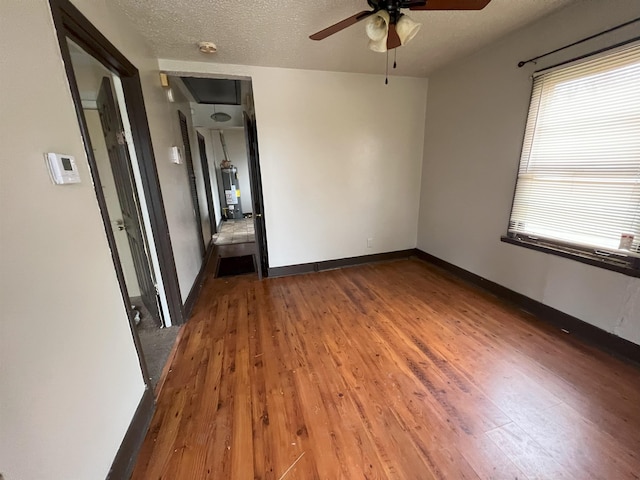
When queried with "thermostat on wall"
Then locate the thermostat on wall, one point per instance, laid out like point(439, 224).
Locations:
point(63, 168)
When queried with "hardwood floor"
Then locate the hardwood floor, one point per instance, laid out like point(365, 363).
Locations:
point(393, 370)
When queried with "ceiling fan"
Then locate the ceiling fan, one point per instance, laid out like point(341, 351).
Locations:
point(388, 28)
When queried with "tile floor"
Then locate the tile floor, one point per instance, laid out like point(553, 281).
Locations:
point(235, 231)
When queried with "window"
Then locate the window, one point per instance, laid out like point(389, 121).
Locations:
point(578, 186)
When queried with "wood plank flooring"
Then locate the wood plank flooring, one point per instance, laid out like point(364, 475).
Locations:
point(387, 371)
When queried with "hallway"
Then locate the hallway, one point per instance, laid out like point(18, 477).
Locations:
point(392, 370)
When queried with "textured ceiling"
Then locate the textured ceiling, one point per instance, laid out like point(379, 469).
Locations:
point(275, 32)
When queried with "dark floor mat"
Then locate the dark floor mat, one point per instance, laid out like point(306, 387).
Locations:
point(232, 266)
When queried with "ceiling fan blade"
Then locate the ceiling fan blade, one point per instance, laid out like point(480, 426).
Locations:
point(347, 22)
point(393, 40)
point(452, 5)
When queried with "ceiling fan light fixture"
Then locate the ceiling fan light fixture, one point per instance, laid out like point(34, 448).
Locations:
point(407, 28)
point(377, 29)
point(378, 25)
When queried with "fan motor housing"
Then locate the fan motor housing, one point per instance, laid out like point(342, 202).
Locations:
point(394, 6)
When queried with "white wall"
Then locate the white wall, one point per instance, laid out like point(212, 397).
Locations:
point(182, 104)
point(475, 122)
point(237, 150)
point(69, 374)
point(341, 158)
point(174, 180)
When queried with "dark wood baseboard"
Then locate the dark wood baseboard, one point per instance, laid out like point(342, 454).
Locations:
point(292, 270)
point(125, 459)
point(338, 263)
point(190, 302)
point(602, 339)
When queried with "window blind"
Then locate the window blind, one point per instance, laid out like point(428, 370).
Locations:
point(579, 175)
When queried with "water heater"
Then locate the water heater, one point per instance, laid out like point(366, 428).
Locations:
point(231, 187)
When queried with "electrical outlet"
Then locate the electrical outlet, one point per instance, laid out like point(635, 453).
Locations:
point(369, 242)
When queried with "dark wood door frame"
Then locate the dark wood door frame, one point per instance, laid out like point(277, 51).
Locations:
point(71, 24)
point(193, 184)
point(208, 186)
point(255, 178)
point(131, 217)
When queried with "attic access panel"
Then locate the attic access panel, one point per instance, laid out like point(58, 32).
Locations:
point(214, 91)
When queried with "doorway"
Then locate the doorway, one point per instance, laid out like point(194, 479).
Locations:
point(114, 165)
point(225, 183)
point(107, 96)
point(206, 176)
point(107, 136)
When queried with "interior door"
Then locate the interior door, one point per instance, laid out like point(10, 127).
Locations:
point(127, 197)
point(208, 186)
point(193, 186)
point(251, 136)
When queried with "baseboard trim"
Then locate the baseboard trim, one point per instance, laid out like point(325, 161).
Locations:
point(602, 339)
point(190, 302)
point(125, 459)
point(289, 270)
point(338, 263)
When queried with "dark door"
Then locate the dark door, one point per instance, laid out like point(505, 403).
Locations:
point(188, 160)
point(251, 136)
point(208, 186)
point(123, 176)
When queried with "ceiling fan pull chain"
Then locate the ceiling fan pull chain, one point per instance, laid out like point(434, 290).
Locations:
point(386, 73)
point(395, 56)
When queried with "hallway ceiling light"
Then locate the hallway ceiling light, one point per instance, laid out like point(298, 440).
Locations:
point(220, 116)
point(207, 47)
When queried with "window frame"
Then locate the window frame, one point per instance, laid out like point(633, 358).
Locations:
point(591, 256)
point(627, 263)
